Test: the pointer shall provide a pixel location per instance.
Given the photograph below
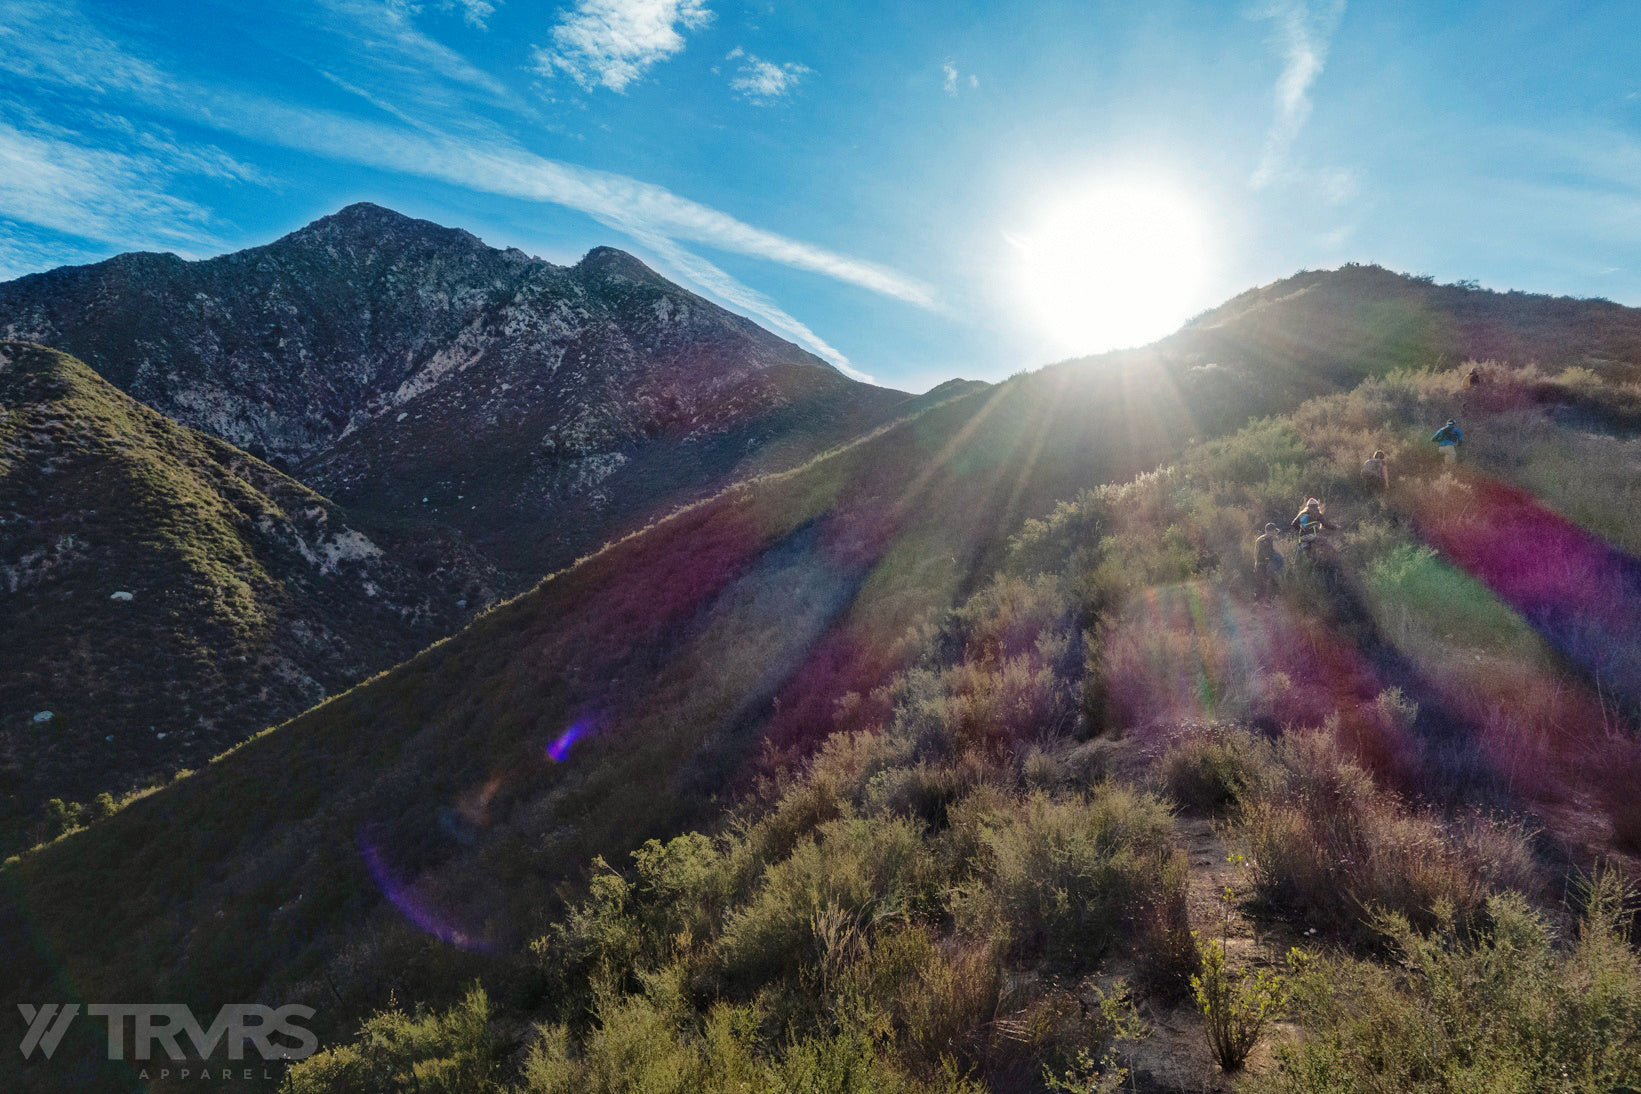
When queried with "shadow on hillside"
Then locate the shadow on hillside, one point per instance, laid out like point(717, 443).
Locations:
point(1454, 766)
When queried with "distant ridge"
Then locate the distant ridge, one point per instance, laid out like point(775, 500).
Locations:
point(383, 360)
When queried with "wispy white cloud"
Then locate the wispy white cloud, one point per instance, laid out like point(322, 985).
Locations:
point(703, 274)
point(22, 252)
point(1598, 156)
point(52, 42)
point(172, 156)
point(387, 31)
point(89, 184)
point(374, 100)
point(1577, 184)
point(763, 82)
point(502, 168)
point(1304, 31)
point(476, 12)
point(953, 79)
point(612, 42)
point(113, 197)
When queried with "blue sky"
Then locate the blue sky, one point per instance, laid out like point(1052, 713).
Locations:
point(915, 191)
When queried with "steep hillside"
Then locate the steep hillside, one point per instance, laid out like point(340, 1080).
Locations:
point(162, 594)
point(1370, 801)
point(428, 382)
point(1322, 331)
point(614, 702)
point(1417, 750)
point(422, 828)
point(1338, 320)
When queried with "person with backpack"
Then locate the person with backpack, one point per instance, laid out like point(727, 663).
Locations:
point(1448, 438)
point(1268, 562)
point(1376, 472)
point(1309, 524)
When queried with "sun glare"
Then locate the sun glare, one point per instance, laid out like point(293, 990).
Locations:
point(1114, 263)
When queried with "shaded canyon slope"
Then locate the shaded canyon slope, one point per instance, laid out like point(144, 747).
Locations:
point(442, 423)
point(164, 594)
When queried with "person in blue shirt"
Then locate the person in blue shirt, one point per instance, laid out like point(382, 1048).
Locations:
point(1308, 524)
point(1448, 438)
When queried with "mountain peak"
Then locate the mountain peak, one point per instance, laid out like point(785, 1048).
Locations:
point(612, 262)
point(365, 220)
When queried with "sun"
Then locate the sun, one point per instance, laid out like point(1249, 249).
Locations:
point(1111, 263)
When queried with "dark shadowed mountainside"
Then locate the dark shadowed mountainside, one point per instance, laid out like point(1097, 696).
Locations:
point(163, 594)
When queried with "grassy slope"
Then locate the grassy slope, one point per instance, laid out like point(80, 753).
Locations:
point(953, 893)
point(100, 494)
point(745, 618)
point(672, 644)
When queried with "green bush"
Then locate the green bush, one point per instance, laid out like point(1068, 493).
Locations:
point(1505, 1009)
point(650, 1042)
point(1328, 845)
point(939, 996)
point(653, 1043)
point(1431, 606)
point(599, 937)
point(1110, 1024)
point(1250, 454)
point(1069, 876)
point(847, 1063)
point(873, 870)
point(450, 1051)
point(1236, 1008)
point(1213, 772)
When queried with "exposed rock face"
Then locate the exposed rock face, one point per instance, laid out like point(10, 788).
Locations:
point(539, 408)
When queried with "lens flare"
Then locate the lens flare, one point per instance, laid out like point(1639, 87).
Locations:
point(1578, 592)
point(415, 906)
point(559, 750)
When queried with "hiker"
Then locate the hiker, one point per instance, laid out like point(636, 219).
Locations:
point(1448, 438)
point(1376, 471)
point(1268, 562)
point(1309, 524)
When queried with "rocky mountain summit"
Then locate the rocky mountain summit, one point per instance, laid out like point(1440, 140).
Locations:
point(426, 380)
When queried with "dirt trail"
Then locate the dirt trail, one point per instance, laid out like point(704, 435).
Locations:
point(1174, 1059)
